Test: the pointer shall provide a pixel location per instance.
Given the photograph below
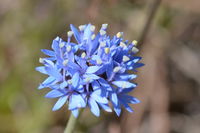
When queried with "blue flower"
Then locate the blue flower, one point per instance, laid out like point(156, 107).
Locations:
point(91, 72)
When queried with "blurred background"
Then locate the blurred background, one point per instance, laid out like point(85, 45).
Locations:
point(169, 84)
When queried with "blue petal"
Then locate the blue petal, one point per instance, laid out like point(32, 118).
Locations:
point(52, 71)
point(61, 101)
point(96, 96)
point(129, 99)
point(41, 69)
point(94, 107)
point(76, 101)
point(54, 94)
point(92, 69)
point(95, 85)
point(55, 44)
point(76, 33)
point(109, 69)
point(63, 85)
point(105, 107)
point(126, 106)
point(125, 76)
point(48, 52)
point(47, 82)
point(75, 112)
point(75, 79)
point(117, 109)
point(124, 84)
point(114, 99)
point(91, 76)
point(87, 32)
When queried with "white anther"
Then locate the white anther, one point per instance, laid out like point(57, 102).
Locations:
point(81, 27)
point(99, 61)
point(93, 37)
point(102, 32)
point(83, 55)
point(102, 44)
point(119, 34)
point(116, 69)
point(134, 42)
point(70, 33)
point(69, 82)
point(122, 44)
point(92, 28)
point(65, 62)
point(107, 50)
point(88, 79)
point(69, 48)
point(125, 58)
point(62, 44)
point(104, 26)
point(135, 50)
point(41, 60)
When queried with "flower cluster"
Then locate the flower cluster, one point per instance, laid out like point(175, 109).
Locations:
point(93, 72)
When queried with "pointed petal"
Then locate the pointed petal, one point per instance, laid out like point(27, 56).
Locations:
point(114, 99)
point(124, 84)
point(87, 32)
point(41, 69)
point(99, 98)
point(63, 85)
point(94, 107)
point(54, 94)
point(117, 109)
point(92, 69)
point(105, 107)
point(61, 101)
point(76, 101)
point(125, 76)
point(48, 52)
point(75, 80)
point(47, 82)
point(76, 33)
point(75, 112)
point(52, 71)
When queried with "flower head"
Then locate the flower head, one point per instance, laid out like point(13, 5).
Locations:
point(92, 72)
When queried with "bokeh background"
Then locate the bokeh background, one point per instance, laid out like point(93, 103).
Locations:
point(169, 84)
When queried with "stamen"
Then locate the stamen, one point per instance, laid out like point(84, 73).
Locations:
point(69, 82)
point(62, 44)
point(65, 62)
point(92, 28)
point(88, 79)
point(93, 37)
point(135, 50)
point(107, 50)
point(125, 58)
point(102, 44)
point(68, 48)
point(102, 32)
point(119, 34)
point(83, 55)
point(134, 42)
point(116, 69)
point(41, 60)
point(99, 61)
point(81, 27)
point(122, 44)
point(104, 26)
point(69, 34)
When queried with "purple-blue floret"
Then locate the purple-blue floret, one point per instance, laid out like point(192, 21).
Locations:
point(95, 71)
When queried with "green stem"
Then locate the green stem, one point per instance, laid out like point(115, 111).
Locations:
point(71, 123)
